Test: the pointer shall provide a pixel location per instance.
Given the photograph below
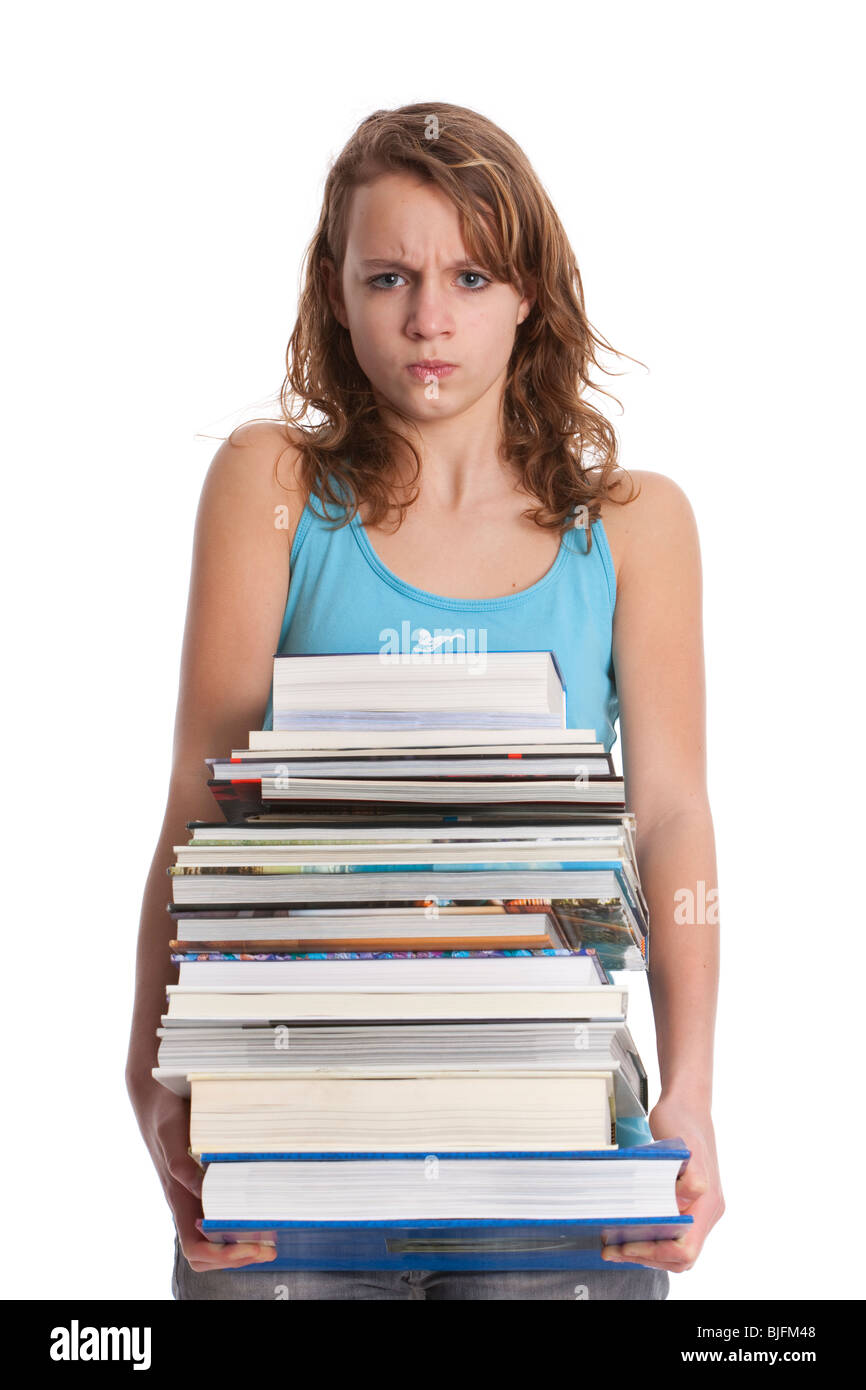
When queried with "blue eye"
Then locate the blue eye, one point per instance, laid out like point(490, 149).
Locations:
point(384, 276)
point(394, 275)
point(478, 276)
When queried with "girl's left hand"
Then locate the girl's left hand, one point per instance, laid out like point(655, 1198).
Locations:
point(699, 1190)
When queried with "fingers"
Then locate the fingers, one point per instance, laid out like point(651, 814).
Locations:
point(675, 1255)
point(204, 1254)
point(182, 1179)
point(683, 1250)
point(669, 1255)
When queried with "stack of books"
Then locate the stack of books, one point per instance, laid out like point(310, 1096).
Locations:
point(394, 1015)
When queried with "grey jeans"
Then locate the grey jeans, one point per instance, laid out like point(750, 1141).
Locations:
point(279, 1285)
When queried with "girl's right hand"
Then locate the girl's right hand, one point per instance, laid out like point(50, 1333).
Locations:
point(163, 1118)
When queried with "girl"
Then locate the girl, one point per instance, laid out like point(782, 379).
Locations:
point(443, 341)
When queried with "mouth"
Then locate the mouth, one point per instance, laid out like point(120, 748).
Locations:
point(424, 370)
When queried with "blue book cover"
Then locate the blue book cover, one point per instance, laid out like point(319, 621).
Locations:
point(458, 1244)
point(444, 1245)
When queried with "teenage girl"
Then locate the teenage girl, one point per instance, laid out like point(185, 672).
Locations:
point(443, 343)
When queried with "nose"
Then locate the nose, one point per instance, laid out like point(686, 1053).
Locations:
point(429, 316)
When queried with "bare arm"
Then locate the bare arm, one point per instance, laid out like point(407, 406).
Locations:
point(658, 657)
point(238, 586)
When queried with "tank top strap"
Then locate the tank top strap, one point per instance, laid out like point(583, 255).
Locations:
point(318, 516)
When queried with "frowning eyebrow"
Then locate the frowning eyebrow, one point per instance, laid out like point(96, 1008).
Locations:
point(401, 265)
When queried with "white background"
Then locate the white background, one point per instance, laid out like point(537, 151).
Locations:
point(165, 165)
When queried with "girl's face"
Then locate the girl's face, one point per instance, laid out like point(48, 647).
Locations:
point(410, 294)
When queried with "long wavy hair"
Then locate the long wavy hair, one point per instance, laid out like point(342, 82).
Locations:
point(565, 450)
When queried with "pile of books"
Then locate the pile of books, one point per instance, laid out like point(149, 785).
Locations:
point(394, 1016)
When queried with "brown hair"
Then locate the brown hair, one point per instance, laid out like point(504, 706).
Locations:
point(552, 435)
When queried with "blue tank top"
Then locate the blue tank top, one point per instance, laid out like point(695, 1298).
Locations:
point(342, 598)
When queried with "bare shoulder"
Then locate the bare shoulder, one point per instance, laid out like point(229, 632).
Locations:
point(658, 519)
point(239, 581)
point(256, 469)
